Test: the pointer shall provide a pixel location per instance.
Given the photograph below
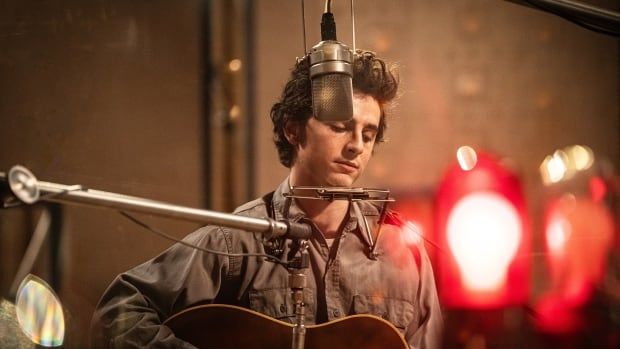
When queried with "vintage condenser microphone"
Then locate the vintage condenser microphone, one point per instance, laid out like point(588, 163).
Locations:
point(331, 74)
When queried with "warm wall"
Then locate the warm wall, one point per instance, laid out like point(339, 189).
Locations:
point(104, 94)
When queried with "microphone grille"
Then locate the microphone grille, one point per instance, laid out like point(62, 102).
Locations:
point(332, 98)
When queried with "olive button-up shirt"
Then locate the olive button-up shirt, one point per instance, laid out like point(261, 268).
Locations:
point(396, 283)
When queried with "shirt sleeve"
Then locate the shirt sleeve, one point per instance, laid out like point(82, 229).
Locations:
point(428, 330)
point(131, 311)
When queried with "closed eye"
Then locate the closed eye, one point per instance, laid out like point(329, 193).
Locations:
point(337, 128)
point(369, 135)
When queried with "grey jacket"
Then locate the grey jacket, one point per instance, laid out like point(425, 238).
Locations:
point(398, 285)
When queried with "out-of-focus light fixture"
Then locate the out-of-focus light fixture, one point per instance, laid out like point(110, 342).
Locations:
point(235, 65)
point(481, 225)
point(564, 163)
point(234, 113)
point(554, 167)
point(466, 157)
point(578, 235)
point(39, 312)
point(557, 233)
point(484, 231)
point(581, 156)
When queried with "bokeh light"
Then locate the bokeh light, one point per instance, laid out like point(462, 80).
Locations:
point(39, 312)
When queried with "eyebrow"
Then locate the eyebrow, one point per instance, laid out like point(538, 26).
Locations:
point(372, 127)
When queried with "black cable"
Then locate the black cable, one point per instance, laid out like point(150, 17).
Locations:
point(206, 250)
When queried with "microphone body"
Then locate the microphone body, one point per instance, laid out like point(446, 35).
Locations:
point(331, 76)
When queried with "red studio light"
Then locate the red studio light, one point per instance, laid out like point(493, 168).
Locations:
point(482, 230)
point(578, 237)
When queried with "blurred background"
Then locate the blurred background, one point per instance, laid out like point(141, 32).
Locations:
point(504, 111)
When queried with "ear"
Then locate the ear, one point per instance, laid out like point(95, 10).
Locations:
point(291, 132)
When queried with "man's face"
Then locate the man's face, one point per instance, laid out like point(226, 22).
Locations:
point(336, 153)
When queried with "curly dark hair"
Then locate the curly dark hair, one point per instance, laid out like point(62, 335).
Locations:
point(371, 76)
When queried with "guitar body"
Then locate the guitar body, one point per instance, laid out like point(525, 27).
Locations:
point(225, 326)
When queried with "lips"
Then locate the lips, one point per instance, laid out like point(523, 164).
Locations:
point(347, 166)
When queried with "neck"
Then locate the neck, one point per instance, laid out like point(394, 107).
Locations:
point(327, 215)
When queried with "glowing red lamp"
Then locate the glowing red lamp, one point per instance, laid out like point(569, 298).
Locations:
point(481, 227)
point(578, 237)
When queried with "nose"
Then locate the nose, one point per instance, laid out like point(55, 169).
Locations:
point(355, 146)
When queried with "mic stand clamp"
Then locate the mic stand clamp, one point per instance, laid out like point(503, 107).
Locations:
point(297, 283)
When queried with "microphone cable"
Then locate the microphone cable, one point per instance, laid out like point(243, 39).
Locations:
point(202, 249)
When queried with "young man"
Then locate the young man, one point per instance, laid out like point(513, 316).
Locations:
point(353, 269)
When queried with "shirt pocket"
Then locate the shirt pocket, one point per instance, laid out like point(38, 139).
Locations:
point(278, 303)
point(399, 313)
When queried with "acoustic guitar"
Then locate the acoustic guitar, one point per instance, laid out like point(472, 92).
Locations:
point(230, 327)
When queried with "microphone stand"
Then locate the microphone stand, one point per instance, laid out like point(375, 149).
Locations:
point(26, 188)
point(297, 283)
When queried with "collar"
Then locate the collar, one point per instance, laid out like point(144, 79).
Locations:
point(362, 215)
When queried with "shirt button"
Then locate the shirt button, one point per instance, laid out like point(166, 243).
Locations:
point(336, 313)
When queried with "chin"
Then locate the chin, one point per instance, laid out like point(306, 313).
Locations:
point(341, 180)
